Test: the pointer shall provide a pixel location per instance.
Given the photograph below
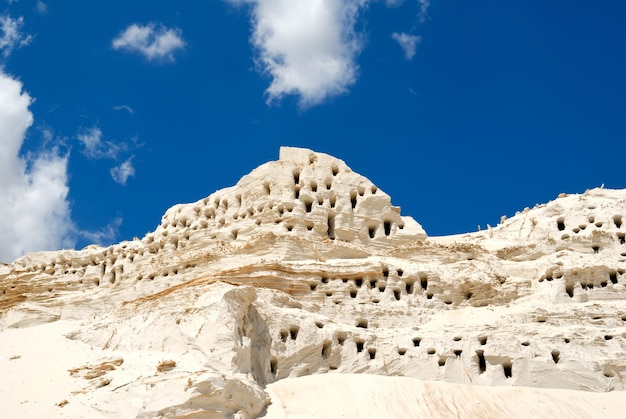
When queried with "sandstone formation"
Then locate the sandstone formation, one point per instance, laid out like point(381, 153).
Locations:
point(304, 268)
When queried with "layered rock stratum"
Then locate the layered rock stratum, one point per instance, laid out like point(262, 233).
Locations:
point(302, 292)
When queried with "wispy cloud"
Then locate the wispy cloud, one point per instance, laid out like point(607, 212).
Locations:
point(423, 12)
point(124, 108)
point(121, 173)
point(94, 147)
point(41, 7)
point(408, 43)
point(153, 41)
point(308, 48)
point(11, 35)
point(34, 209)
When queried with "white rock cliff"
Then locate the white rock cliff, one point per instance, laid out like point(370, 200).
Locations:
point(304, 268)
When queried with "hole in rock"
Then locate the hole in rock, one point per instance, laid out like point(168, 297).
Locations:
point(603, 284)
point(566, 340)
point(457, 352)
point(361, 323)
point(396, 294)
point(591, 219)
point(353, 199)
point(576, 230)
point(560, 223)
point(429, 295)
point(385, 271)
point(416, 342)
point(289, 227)
point(293, 332)
point(507, 367)
point(595, 248)
point(468, 294)
point(296, 176)
point(325, 280)
point(582, 226)
point(374, 190)
point(331, 227)
point(423, 281)
point(448, 302)
point(335, 170)
point(617, 220)
point(273, 365)
point(308, 204)
point(353, 293)
point(555, 356)
point(283, 335)
point(359, 345)
point(608, 337)
point(372, 353)
point(329, 293)
point(482, 365)
point(361, 190)
point(400, 272)
point(441, 361)
point(297, 192)
point(621, 237)
point(408, 287)
point(372, 283)
point(401, 351)
point(482, 340)
point(319, 324)
point(382, 287)
point(375, 300)
point(313, 287)
point(234, 234)
point(598, 224)
point(569, 289)
point(309, 226)
point(609, 374)
point(329, 184)
point(341, 337)
point(314, 186)
point(624, 318)
point(326, 347)
point(456, 338)
point(333, 201)
point(387, 225)
point(358, 282)
point(371, 231)
point(430, 351)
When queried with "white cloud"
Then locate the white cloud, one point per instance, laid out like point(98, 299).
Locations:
point(11, 35)
point(309, 48)
point(154, 42)
point(34, 210)
point(95, 147)
point(121, 173)
point(407, 42)
point(41, 7)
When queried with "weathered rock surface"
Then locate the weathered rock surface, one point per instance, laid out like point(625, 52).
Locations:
point(304, 267)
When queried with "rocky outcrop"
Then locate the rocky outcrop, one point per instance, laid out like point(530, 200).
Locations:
point(304, 267)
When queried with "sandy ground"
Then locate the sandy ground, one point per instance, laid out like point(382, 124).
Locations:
point(374, 396)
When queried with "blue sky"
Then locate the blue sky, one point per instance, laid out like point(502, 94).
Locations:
point(111, 112)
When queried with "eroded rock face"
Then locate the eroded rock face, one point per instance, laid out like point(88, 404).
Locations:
point(305, 267)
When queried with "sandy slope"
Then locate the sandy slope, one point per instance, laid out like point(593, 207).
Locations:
point(375, 396)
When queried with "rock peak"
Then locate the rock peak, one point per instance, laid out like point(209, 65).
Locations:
point(303, 193)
